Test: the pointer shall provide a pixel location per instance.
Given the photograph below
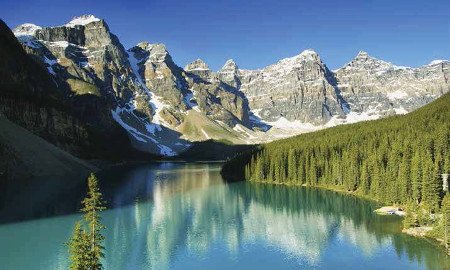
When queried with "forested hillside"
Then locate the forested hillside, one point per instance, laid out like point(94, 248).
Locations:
point(396, 160)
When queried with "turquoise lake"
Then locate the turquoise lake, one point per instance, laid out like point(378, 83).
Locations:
point(183, 216)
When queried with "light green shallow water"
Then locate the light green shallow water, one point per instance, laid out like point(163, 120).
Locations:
point(182, 216)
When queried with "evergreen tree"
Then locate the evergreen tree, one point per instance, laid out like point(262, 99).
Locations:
point(79, 248)
point(292, 166)
point(86, 245)
point(93, 204)
point(446, 218)
point(403, 180)
point(365, 179)
point(430, 183)
point(416, 178)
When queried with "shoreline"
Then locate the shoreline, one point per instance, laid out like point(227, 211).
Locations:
point(418, 232)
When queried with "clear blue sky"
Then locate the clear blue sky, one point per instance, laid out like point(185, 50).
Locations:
point(259, 32)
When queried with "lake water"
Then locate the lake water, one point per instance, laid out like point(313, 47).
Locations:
point(183, 216)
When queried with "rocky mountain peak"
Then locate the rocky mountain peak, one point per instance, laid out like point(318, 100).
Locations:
point(362, 55)
point(309, 54)
point(160, 104)
point(364, 61)
point(305, 57)
point(145, 45)
point(154, 52)
point(82, 20)
point(230, 67)
point(197, 65)
point(26, 29)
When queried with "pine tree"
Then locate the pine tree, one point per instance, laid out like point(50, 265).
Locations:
point(403, 183)
point(79, 248)
point(93, 204)
point(86, 245)
point(416, 178)
point(365, 179)
point(292, 167)
point(430, 183)
point(446, 217)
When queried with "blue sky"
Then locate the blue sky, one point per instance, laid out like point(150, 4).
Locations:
point(256, 33)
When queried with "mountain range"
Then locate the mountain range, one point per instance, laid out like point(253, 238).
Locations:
point(96, 86)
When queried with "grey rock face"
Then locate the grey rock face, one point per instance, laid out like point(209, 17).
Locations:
point(160, 74)
point(199, 72)
point(230, 73)
point(220, 99)
point(87, 59)
point(379, 87)
point(152, 98)
point(298, 88)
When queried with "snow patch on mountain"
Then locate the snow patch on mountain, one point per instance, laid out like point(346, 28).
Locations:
point(437, 62)
point(118, 114)
point(50, 63)
point(352, 117)
point(26, 29)
point(155, 102)
point(82, 20)
point(400, 110)
point(189, 99)
point(397, 95)
point(283, 123)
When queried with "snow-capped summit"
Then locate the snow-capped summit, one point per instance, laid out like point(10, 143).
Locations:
point(82, 20)
point(308, 52)
point(362, 54)
point(26, 29)
point(437, 62)
point(309, 55)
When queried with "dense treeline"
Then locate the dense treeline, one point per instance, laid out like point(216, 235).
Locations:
point(396, 160)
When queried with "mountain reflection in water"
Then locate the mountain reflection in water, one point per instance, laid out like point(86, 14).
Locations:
point(182, 216)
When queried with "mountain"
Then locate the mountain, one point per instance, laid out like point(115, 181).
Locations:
point(164, 108)
point(372, 85)
point(33, 98)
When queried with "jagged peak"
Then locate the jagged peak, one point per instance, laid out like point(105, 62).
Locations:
point(367, 62)
point(362, 54)
point(305, 56)
point(26, 29)
point(230, 62)
point(229, 65)
point(308, 53)
point(155, 52)
point(82, 20)
point(145, 45)
point(198, 64)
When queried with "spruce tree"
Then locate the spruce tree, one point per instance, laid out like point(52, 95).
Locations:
point(446, 217)
point(416, 178)
point(79, 248)
point(86, 245)
point(93, 204)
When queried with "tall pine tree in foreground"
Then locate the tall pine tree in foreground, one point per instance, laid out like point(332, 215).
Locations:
point(86, 245)
point(78, 248)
